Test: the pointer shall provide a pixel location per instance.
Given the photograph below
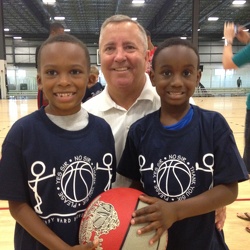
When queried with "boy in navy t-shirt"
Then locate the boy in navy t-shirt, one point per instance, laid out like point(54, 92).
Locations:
point(56, 160)
point(183, 155)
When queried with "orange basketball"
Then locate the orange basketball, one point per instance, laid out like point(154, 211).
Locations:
point(108, 219)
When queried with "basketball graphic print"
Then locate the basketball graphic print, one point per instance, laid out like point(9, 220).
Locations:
point(108, 219)
point(77, 172)
point(173, 178)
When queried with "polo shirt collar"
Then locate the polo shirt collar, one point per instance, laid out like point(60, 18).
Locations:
point(148, 93)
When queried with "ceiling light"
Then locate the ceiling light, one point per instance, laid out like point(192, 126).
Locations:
point(134, 18)
point(59, 18)
point(17, 37)
point(51, 2)
point(6, 29)
point(138, 1)
point(67, 30)
point(183, 37)
point(239, 2)
point(213, 18)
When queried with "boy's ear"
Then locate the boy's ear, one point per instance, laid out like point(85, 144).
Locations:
point(39, 82)
point(92, 79)
point(152, 76)
point(198, 78)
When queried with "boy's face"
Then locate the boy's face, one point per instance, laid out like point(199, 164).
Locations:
point(176, 75)
point(63, 77)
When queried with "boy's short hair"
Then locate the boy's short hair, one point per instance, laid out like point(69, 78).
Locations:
point(94, 70)
point(54, 27)
point(64, 38)
point(173, 42)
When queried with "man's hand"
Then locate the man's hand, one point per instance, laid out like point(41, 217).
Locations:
point(220, 217)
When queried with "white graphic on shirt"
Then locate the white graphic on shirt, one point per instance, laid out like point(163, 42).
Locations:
point(207, 167)
point(34, 183)
point(79, 172)
point(75, 183)
point(174, 177)
point(109, 158)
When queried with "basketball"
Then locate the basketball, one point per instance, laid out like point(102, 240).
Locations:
point(108, 219)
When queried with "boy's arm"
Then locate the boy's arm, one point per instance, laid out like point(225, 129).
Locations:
point(31, 222)
point(136, 185)
point(161, 215)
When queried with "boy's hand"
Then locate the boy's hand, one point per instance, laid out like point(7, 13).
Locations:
point(156, 214)
point(89, 246)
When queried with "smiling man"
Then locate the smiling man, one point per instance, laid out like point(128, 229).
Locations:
point(129, 94)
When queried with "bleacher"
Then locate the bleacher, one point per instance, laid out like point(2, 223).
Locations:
point(22, 94)
point(22, 91)
point(210, 92)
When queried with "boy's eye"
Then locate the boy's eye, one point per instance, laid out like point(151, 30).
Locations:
point(75, 72)
point(186, 73)
point(51, 72)
point(167, 73)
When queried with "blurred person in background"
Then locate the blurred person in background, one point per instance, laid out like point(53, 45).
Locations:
point(235, 61)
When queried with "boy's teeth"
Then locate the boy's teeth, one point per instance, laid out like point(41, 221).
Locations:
point(64, 94)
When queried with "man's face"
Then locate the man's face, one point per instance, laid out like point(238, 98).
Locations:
point(123, 55)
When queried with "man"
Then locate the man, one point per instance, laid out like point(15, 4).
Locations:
point(129, 94)
point(239, 82)
point(55, 29)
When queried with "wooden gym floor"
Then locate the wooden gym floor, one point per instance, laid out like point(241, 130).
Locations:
point(233, 109)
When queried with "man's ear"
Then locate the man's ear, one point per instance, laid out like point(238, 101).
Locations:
point(147, 59)
point(39, 82)
point(152, 76)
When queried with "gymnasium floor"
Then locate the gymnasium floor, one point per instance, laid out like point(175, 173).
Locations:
point(233, 109)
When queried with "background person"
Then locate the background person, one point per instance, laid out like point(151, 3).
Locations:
point(239, 82)
point(189, 181)
point(55, 29)
point(94, 87)
point(231, 61)
point(56, 160)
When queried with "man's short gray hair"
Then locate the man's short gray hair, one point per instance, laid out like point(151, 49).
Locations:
point(121, 19)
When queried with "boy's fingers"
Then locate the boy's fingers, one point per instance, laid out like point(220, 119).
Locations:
point(158, 235)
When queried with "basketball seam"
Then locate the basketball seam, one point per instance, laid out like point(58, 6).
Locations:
point(124, 238)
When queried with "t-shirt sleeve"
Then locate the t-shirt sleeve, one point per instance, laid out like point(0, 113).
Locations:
point(12, 181)
point(242, 57)
point(229, 165)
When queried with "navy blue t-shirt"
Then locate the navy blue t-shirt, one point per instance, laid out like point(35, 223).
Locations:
point(179, 164)
point(57, 172)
